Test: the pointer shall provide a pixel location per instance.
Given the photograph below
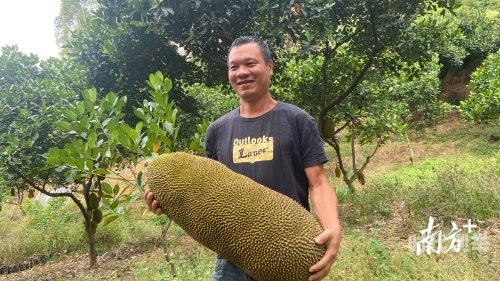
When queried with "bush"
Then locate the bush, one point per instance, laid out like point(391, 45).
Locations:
point(484, 101)
point(213, 102)
point(472, 33)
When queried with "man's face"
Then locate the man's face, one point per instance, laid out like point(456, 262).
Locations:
point(248, 73)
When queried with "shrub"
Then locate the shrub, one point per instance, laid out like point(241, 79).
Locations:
point(484, 101)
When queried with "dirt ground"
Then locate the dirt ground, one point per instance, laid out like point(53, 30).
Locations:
point(111, 265)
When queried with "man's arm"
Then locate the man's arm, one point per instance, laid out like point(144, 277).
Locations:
point(325, 206)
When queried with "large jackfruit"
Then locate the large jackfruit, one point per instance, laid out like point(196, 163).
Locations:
point(265, 233)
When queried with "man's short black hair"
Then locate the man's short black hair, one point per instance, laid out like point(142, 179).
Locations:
point(264, 48)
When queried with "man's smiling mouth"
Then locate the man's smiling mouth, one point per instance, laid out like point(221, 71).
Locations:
point(244, 82)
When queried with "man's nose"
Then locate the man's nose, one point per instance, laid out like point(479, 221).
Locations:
point(242, 71)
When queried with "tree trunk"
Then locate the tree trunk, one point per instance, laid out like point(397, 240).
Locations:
point(91, 244)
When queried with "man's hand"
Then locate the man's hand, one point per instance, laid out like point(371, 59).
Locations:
point(149, 197)
point(331, 238)
point(151, 202)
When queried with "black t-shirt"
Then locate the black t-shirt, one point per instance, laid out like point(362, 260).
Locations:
point(272, 149)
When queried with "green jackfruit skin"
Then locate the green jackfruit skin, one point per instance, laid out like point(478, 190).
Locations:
point(328, 128)
point(265, 233)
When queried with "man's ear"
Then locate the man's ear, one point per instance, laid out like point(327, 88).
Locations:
point(271, 65)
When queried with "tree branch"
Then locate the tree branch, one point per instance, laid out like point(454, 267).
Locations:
point(341, 128)
point(62, 194)
point(328, 55)
point(370, 156)
point(353, 151)
point(223, 37)
point(374, 26)
point(222, 64)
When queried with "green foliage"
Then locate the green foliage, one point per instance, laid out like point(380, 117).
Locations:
point(98, 129)
point(104, 141)
point(72, 15)
point(381, 106)
point(213, 102)
point(484, 101)
point(29, 91)
point(197, 143)
point(43, 217)
point(120, 54)
point(472, 33)
point(115, 199)
point(124, 40)
point(481, 31)
point(158, 116)
point(483, 4)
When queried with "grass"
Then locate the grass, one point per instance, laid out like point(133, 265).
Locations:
point(57, 230)
point(377, 220)
point(446, 187)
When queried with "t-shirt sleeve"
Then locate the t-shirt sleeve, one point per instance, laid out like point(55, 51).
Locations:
point(311, 144)
point(210, 148)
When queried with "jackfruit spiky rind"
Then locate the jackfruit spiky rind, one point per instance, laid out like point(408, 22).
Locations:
point(328, 128)
point(265, 233)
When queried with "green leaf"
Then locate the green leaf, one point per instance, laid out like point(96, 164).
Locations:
point(101, 171)
point(92, 95)
point(80, 163)
point(139, 184)
point(89, 106)
point(116, 189)
point(63, 125)
point(134, 198)
point(167, 85)
point(71, 175)
point(169, 127)
point(120, 104)
point(70, 114)
point(115, 203)
point(111, 98)
point(134, 134)
point(110, 219)
point(194, 145)
point(51, 160)
point(89, 165)
point(153, 126)
point(106, 188)
point(80, 107)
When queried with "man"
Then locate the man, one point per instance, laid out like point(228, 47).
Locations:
point(275, 144)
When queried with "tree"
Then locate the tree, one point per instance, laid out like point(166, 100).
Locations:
point(101, 142)
point(382, 105)
point(366, 31)
point(119, 54)
point(349, 38)
point(72, 15)
point(29, 90)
